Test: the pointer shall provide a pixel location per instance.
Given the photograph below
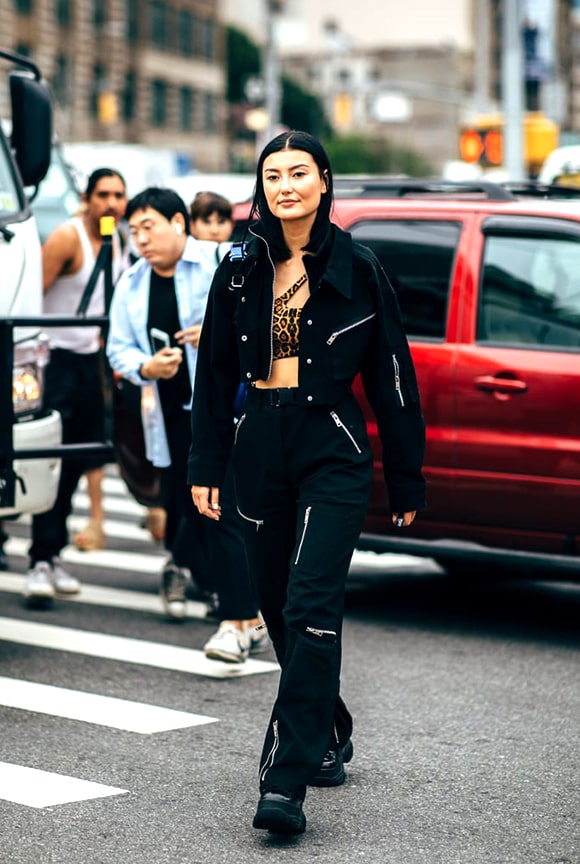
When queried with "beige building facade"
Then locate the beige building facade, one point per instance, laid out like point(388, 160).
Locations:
point(132, 71)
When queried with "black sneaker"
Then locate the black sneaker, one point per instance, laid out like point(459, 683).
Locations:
point(331, 771)
point(280, 812)
point(173, 591)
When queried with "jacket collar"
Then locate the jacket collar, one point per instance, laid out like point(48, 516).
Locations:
point(332, 263)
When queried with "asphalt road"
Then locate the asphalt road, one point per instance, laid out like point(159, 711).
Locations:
point(466, 699)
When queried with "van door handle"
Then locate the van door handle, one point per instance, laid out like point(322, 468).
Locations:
point(491, 384)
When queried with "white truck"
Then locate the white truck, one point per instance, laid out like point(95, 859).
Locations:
point(26, 485)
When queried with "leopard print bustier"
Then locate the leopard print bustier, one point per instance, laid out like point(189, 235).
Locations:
point(286, 323)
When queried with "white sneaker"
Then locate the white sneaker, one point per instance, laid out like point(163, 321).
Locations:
point(229, 644)
point(39, 587)
point(64, 582)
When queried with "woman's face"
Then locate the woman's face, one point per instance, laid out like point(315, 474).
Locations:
point(292, 185)
point(213, 227)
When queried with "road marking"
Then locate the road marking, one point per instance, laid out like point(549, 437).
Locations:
point(112, 559)
point(115, 598)
point(35, 788)
point(125, 650)
point(92, 708)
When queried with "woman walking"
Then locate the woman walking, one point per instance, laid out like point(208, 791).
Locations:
point(297, 313)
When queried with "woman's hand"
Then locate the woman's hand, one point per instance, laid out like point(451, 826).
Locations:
point(403, 520)
point(189, 334)
point(207, 501)
point(163, 364)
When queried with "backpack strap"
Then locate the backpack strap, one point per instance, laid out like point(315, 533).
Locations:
point(238, 255)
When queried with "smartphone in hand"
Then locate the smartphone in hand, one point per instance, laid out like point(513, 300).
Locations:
point(159, 339)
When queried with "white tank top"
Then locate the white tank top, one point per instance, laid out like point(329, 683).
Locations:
point(65, 293)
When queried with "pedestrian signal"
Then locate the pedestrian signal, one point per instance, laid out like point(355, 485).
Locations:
point(481, 146)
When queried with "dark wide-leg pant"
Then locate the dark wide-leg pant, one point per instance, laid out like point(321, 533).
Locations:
point(214, 552)
point(73, 386)
point(302, 484)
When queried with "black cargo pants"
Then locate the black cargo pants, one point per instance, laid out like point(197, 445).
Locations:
point(302, 485)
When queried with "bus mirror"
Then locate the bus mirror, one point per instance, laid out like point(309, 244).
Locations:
point(31, 126)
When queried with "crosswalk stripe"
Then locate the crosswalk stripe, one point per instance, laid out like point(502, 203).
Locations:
point(123, 649)
point(92, 708)
point(122, 506)
point(35, 788)
point(112, 559)
point(99, 595)
point(113, 528)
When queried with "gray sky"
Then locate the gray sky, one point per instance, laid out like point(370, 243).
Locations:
point(367, 22)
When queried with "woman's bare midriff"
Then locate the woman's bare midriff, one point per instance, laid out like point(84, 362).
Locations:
point(284, 374)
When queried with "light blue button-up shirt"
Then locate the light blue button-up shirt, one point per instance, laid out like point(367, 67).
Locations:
point(128, 345)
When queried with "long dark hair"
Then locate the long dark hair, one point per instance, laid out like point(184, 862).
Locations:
point(270, 227)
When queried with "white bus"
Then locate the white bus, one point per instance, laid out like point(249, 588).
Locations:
point(26, 486)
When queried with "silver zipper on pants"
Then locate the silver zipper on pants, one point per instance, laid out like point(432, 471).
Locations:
point(238, 424)
point(257, 522)
point(305, 526)
point(272, 754)
point(341, 425)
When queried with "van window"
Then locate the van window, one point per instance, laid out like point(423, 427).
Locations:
point(418, 257)
point(530, 292)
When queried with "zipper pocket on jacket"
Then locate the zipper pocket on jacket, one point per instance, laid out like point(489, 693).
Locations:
point(337, 333)
point(257, 522)
point(398, 380)
point(341, 425)
point(272, 754)
point(305, 526)
point(239, 423)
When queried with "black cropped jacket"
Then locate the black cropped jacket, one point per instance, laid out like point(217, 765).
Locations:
point(351, 323)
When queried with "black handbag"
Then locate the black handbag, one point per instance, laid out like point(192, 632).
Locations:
point(142, 478)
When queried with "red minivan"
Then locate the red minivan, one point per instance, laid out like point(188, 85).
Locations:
point(488, 280)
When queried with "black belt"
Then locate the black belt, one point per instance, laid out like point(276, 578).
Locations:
point(275, 396)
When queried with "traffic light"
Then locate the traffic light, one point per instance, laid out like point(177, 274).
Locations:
point(481, 143)
point(481, 146)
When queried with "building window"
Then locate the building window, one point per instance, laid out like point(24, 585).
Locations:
point(208, 37)
point(158, 102)
point(63, 12)
point(97, 89)
point(61, 79)
point(23, 7)
point(99, 14)
point(159, 24)
point(129, 96)
point(186, 109)
point(132, 21)
point(185, 33)
point(24, 49)
point(209, 113)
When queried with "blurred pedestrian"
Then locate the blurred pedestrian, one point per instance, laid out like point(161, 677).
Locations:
point(307, 312)
point(211, 217)
point(73, 382)
point(236, 637)
point(3, 540)
point(156, 316)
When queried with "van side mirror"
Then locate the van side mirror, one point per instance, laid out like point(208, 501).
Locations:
point(31, 126)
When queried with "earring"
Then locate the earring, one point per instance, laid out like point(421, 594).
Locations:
point(178, 228)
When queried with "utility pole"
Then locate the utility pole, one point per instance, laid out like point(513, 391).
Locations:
point(482, 48)
point(271, 68)
point(513, 89)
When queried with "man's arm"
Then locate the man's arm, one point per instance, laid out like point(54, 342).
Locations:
point(60, 255)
